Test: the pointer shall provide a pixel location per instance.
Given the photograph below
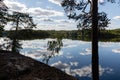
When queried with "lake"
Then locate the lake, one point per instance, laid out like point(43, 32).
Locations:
point(74, 58)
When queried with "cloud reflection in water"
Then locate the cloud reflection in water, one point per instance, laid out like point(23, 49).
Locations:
point(82, 72)
point(71, 68)
point(116, 51)
point(88, 51)
point(39, 54)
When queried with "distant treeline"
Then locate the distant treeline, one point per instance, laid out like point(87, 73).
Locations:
point(40, 34)
point(104, 35)
point(110, 35)
point(27, 34)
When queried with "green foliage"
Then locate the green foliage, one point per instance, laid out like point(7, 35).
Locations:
point(22, 19)
point(1, 31)
point(110, 35)
point(16, 46)
point(19, 19)
point(104, 35)
point(80, 11)
point(27, 34)
point(54, 46)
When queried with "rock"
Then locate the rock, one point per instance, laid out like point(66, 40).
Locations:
point(37, 79)
point(19, 67)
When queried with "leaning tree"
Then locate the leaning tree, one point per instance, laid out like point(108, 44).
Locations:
point(53, 47)
point(20, 21)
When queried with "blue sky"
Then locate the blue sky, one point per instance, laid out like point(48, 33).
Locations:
point(49, 15)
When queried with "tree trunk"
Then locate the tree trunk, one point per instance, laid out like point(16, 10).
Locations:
point(15, 42)
point(95, 58)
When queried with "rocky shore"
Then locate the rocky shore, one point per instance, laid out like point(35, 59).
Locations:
point(15, 66)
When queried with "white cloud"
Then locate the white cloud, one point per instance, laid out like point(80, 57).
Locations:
point(58, 2)
point(37, 11)
point(101, 1)
point(105, 44)
point(69, 57)
point(69, 46)
point(56, 27)
point(40, 12)
point(47, 20)
point(41, 54)
point(34, 44)
point(82, 72)
point(60, 65)
point(114, 24)
point(86, 71)
point(15, 6)
point(36, 54)
point(57, 21)
point(70, 43)
point(64, 21)
point(74, 63)
point(37, 49)
point(116, 17)
point(116, 51)
point(87, 52)
point(6, 42)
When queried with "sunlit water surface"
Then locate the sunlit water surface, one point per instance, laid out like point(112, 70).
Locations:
point(74, 58)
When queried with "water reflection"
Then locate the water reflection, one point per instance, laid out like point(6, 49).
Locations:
point(84, 71)
point(74, 57)
point(5, 43)
point(116, 50)
point(87, 51)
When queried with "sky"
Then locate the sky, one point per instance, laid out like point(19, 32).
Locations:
point(49, 15)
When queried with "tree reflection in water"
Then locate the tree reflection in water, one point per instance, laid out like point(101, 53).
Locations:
point(54, 47)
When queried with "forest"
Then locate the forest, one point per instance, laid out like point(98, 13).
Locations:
point(28, 34)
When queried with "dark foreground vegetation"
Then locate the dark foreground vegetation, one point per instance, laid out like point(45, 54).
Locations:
point(18, 67)
point(104, 35)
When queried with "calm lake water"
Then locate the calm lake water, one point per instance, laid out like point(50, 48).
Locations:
point(75, 57)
